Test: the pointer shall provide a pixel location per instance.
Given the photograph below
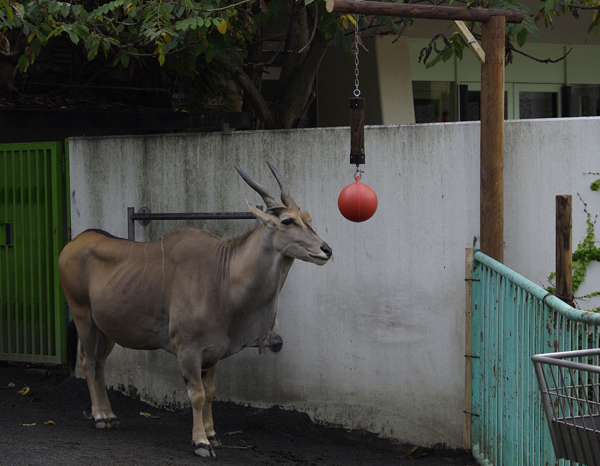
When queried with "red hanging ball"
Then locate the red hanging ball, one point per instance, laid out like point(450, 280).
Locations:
point(357, 201)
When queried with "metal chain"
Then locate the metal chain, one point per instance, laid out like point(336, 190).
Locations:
point(356, 61)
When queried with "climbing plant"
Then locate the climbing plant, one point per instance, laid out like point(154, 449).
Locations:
point(586, 251)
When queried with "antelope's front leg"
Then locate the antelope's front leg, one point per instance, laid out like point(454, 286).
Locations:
point(192, 374)
point(208, 380)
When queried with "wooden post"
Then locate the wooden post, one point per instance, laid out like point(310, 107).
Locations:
point(357, 130)
point(470, 40)
point(492, 99)
point(564, 254)
point(492, 139)
point(414, 10)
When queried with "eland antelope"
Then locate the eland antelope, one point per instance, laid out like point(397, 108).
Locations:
point(197, 296)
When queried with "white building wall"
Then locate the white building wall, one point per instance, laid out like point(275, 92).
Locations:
point(374, 340)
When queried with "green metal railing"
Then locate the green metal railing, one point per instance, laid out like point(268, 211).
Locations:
point(32, 234)
point(512, 320)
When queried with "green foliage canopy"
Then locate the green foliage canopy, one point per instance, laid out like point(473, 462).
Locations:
point(178, 32)
point(130, 29)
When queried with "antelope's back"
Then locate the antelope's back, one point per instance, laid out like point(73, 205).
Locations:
point(77, 263)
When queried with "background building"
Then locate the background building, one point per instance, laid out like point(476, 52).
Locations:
point(400, 90)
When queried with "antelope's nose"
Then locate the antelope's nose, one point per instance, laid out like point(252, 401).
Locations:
point(276, 344)
point(327, 250)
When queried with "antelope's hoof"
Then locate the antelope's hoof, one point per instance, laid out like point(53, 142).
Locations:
point(214, 441)
point(107, 423)
point(204, 450)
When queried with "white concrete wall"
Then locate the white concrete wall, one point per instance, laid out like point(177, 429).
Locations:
point(375, 339)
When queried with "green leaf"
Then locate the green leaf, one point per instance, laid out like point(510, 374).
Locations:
point(93, 52)
point(65, 9)
point(433, 62)
point(595, 185)
point(447, 54)
point(36, 46)
point(125, 60)
point(53, 6)
point(529, 24)
point(522, 37)
point(22, 64)
point(169, 46)
point(210, 53)
point(185, 24)
point(513, 29)
point(74, 38)
point(105, 46)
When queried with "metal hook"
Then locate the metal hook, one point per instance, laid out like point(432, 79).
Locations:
point(358, 172)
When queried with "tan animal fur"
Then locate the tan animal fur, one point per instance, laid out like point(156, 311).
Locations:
point(197, 296)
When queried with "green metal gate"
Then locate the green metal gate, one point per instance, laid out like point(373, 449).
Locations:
point(511, 320)
point(32, 234)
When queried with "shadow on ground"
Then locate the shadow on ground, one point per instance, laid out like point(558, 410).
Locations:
point(43, 421)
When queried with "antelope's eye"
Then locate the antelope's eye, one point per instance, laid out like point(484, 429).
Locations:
point(288, 221)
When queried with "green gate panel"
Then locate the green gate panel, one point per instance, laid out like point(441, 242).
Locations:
point(32, 234)
point(512, 320)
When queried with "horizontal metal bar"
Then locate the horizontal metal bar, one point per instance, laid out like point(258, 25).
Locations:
point(194, 216)
point(538, 292)
point(557, 359)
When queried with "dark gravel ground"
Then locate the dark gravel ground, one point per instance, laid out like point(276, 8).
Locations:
point(47, 426)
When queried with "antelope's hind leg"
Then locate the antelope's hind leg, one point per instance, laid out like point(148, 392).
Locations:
point(208, 380)
point(95, 348)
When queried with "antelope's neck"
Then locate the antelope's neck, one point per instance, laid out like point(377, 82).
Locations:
point(257, 269)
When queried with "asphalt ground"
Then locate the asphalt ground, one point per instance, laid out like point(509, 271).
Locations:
point(44, 421)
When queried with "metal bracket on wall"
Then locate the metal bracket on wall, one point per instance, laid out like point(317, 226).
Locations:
point(7, 234)
point(144, 216)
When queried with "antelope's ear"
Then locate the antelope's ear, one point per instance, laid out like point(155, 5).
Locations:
point(264, 217)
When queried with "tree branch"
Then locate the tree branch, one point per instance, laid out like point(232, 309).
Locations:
point(223, 8)
point(312, 36)
point(281, 42)
point(512, 48)
point(263, 112)
point(300, 90)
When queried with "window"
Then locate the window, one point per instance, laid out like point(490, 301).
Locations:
point(434, 101)
point(538, 104)
point(585, 100)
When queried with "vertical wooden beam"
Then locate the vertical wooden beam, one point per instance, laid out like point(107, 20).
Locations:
point(357, 130)
point(564, 254)
point(492, 139)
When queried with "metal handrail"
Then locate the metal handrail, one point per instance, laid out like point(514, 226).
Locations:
point(549, 299)
point(144, 216)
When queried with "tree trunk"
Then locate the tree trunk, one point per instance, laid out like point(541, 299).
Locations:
point(296, 88)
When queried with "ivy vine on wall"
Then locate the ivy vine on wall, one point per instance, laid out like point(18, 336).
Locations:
point(586, 251)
